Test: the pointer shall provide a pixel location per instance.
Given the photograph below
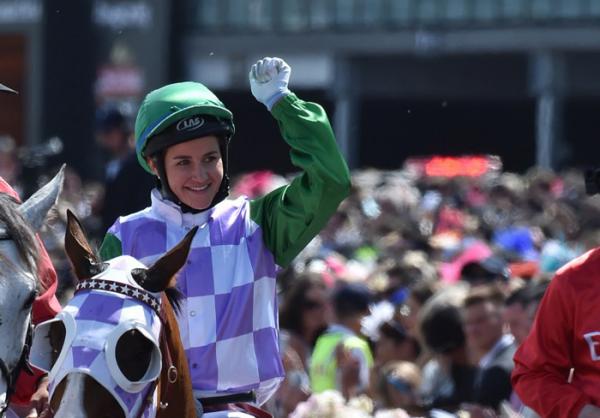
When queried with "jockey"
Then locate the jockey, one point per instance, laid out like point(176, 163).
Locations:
point(556, 366)
point(31, 390)
point(228, 320)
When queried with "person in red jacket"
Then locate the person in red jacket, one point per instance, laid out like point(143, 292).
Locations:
point(557, 368)
point(31, 390)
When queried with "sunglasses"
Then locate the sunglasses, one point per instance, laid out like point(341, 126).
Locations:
point(400, 385)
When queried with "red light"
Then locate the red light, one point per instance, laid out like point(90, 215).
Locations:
point(447, 166)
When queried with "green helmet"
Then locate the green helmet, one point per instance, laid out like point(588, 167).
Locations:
point(172, 103)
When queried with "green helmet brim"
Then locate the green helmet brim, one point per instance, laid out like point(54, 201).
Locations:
point(171, 118)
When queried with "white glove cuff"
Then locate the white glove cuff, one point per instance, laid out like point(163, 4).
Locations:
point(271, 101)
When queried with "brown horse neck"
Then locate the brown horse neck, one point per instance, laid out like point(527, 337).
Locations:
point(179, 396)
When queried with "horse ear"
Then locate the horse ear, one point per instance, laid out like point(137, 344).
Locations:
point(34, 210)
point(85, 263)
point(158, 277)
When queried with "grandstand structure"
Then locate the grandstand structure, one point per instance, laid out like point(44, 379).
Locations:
point(517, 78)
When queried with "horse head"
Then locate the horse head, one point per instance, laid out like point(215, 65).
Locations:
point(114, 351)
point(19, 277)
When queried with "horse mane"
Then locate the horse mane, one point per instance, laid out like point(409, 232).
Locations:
point(175, 297)
point(179, 397)
point(19, 231)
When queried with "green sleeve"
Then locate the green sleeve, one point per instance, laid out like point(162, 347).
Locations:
point(293, 215)
point(111, 247)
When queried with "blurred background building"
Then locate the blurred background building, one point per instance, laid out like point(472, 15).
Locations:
point(514, 78)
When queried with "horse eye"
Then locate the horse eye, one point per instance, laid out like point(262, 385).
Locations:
point(29, 302)
point(134, 353)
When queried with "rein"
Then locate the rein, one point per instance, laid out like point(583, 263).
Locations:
point(171, 378)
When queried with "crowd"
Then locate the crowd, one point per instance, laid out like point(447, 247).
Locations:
point(414, 298)
point(441, 278)
point(411, 301)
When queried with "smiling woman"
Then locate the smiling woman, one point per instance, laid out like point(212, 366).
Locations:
point(194, 170)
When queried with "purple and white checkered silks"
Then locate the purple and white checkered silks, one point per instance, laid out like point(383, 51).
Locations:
point(229, 320)
point(94, 320)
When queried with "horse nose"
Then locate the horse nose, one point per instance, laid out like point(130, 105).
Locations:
point(80, 395)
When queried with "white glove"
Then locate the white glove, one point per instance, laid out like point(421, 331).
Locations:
point(269, 79)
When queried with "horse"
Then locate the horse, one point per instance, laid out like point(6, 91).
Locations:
point(19, 284)
point(115, 350)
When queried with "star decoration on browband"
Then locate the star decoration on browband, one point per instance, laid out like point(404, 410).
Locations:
point(123, 289)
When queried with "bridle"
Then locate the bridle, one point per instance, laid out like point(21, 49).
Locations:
point(11, 376)
point(150, 300)
point(23, 364)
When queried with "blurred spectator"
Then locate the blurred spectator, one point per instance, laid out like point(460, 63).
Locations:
point(408, 312)
point(471, 252)
point(491, 349)
point(127, 186)
point(492, 269)
point(295, 387)
point(447, 378)
point(515, 313)
point(341, 359)
point(519, 313)
point(555, 254)
point(305, 313)
point(331, 404)
point(398, 387)
point(256, 184)
point(395, 344)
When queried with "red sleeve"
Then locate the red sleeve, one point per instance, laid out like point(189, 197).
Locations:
point(26, 387)
point(5, 188)
point(543, 361)
point(46, 305)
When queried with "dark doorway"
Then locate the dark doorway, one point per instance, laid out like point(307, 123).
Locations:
point(582, 132)
point(393, 130)
point(257, 144)
point(12, 68)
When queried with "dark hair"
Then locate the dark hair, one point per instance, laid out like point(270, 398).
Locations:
point(488, 270)
point(519, 296)
point(442, 328)
point(393, 330)
point(351, 299)
point(111, 117)
point(484, 293)
point(528, 294)
point(294, 301)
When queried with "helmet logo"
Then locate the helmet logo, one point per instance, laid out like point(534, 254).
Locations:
point(190, 124)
